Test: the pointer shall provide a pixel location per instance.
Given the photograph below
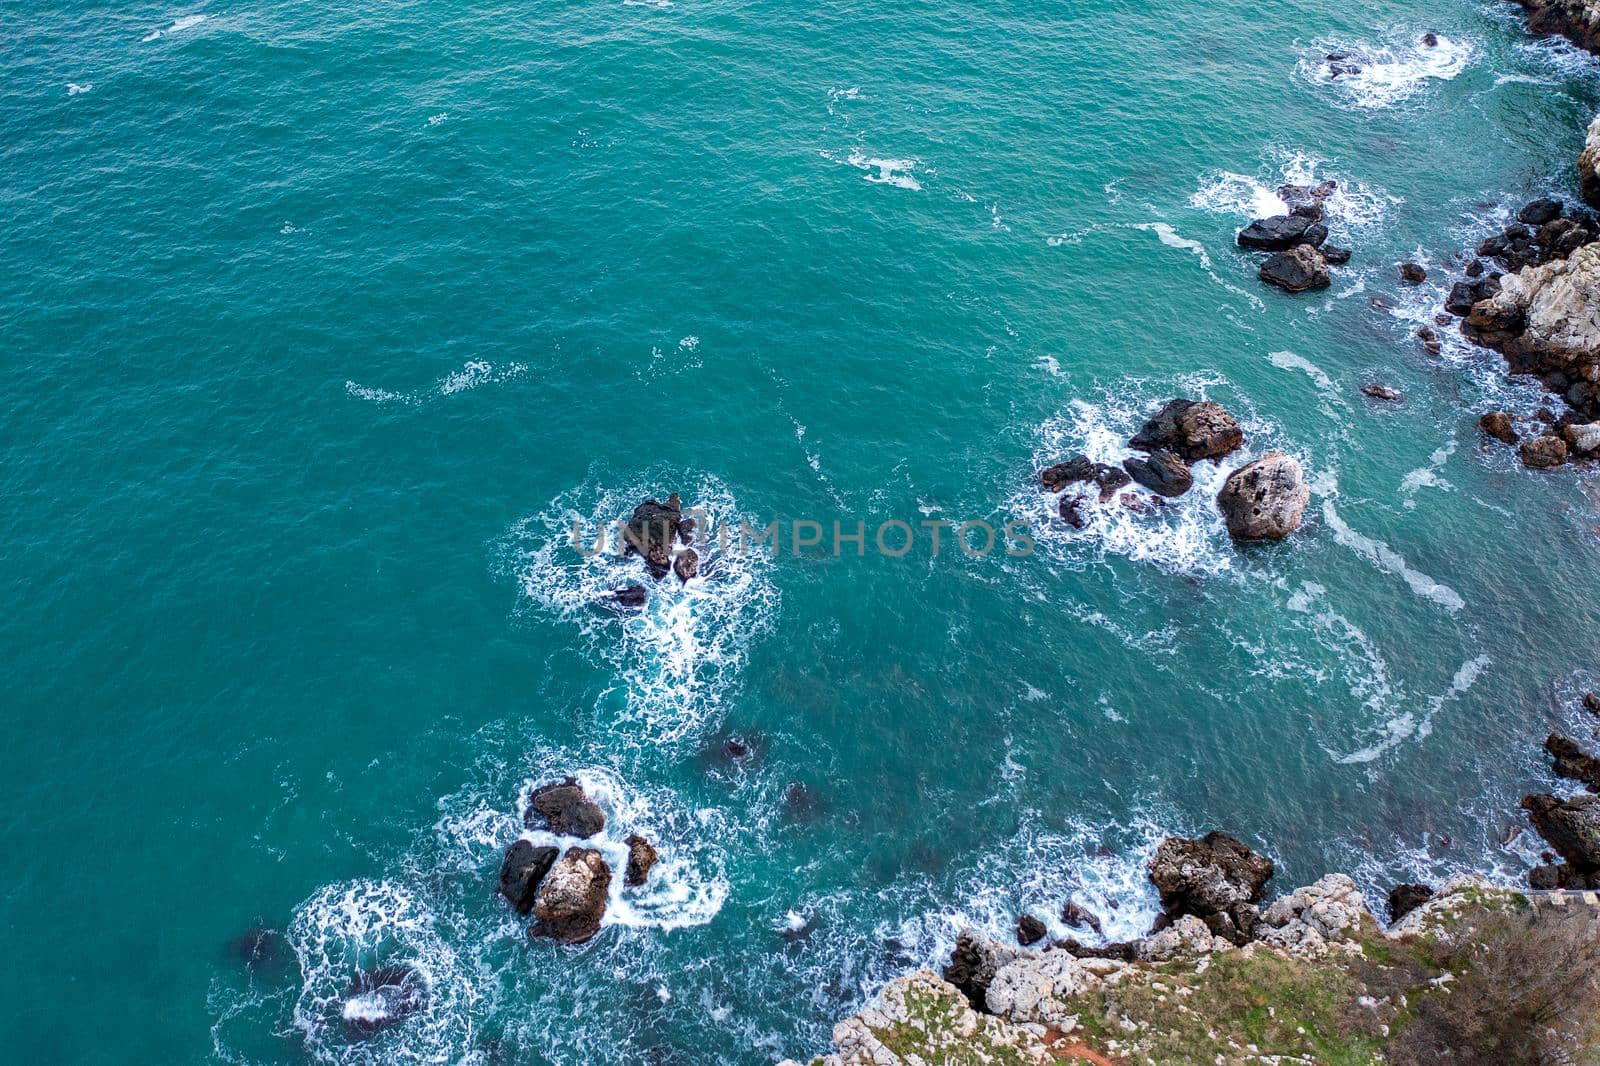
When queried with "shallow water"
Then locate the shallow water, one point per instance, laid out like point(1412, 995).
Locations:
point(321, 327)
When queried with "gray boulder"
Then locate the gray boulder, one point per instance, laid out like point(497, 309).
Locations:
point(1265, 499)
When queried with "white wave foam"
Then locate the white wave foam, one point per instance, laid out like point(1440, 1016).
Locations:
point(1405, 726)
point(679, 655)
point(1171, 238)
point(178, 26)
point(1388, 560)
point(1353, 207)
point(345, 929)
point(75, 89)
point(469, 376)
point(1389, 73)
point(1427, 477)
point(879, 171)
point(1292, 361)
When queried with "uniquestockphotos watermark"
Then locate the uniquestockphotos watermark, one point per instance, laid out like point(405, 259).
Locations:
point(894, 538)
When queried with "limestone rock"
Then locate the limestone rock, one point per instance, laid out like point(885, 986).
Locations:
point(1265, 499)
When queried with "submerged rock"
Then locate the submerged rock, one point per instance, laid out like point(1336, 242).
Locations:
point(1300, 269)
point(1380, 392)
point(572, 899)
point(523, 870)
point(563, 809)
point(257, 946)
point(1264, 499)
point(1163, 473)
point(380, 998)
point(629, 596)
point(1191, 429)
point(1335, 256)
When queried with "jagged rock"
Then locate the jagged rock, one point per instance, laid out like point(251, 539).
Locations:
point(1539, 212)
point(1110, 479)
point(382, 997)
point(1498, 425)
point(651, 532)
point(1300, 269)
point(1184, 938)
point(1264, 499)
point(1190, 429)
point(1079, 917)
point(1473, 269)
point(1034, 989)
point(1543, 453)
point(973, 963)
point(1465, 295)
point(1335, 256)
point(1030, 930)
point(1546, 319)
point(1403, 899)
point(1570, 826)
point(563, 809)
point(1078, 468)
point(641, 857)
point(524, 868)
point(686, 565)
point(1583, 438)
point(1380, 392)
point(1591, 702)
point(1308, 919)
point(1589, 165)
point(1071, 510)
point(1413, 273)
point(1163, 473)
point(1215, 874)
point(1572, 762)
point(1281, 232)
point(1430, 339)
point(629, 596)
point(572, 899)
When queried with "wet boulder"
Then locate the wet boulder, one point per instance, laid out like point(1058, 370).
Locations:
point(1060, 475)
point(1071, 509)
point(1300, 269)
point(1572, 762)
point(1570, 826)
point(651, 533)
point(1264, 499)
point(1282, 232)
point(1543, 452)
point(382, 997)
point(1413, 273)
point(1215, 878)
point(522, 871)
point(1498, 424)
point(686, 565)
point(1403, 899)
point(1080, 917)
point(1030, 930)
point(1163, 473)
point(572, 900)
point(642, 857)
point(1191, 430)
point(1375, 391)
point(1583, 438)
point(629, 596)
point(564, 809)
point(1335, 256)
point(1538, 212)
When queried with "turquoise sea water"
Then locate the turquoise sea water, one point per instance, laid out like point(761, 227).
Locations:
point(320, 324)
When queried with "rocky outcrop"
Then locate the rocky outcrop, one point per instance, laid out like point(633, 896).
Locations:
point(1030, 930)
point(642, 858)
point(1589, 166)
point(522, 872)
point(1544, 452)
point(1572, 828)
point(1403, 899)
point(1300, 269)
point(572, 898)
point(973, 964)
point(1265, 499)
point(564, 809)
point(1080, 468)
point(1572, 762)
point(1499, 425)
point(1191, 429)
point(1546, 321)
point(1282, 232)
point(1309, 919)
point(382, 997)
point(1215, 878)
point(652, 532)
point(1576, 20)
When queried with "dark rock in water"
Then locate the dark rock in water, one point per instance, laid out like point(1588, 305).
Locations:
point(1163, 473)
point(1380, 392)
point(1474, 269)
point(1030, 930)
point(1430, 40)
point(1110, 479)
point(1403, 899)
point(1300, 197)
point(802, 803)
point(1071, 510)
point(1431, 343)
point(257, 947)
point(1413, 273)
point(1343, 64)
point(572, 899)
point(1080, 917)
point(641, 857)
point(1121, 950)
point(1192, 430)
point(733, 749)
point(524, 867)
point(1264, 499)
point(1552, 876)
point(651, 532)
point(1311, 211)
point(1464, 294)
point(1300, 269)
point(1570, 826)
point(686, 530)
point(1490, 247)
point(1380, 302)
point(972, 967)
point(1078, 468)
point(1315, 235)
point(564, 810)
point(1538, 212)
point(629, 596)
point(1442, 319)
point(380, 998)
point(1498, 425)
point(1543, 453)
point(1216, 874)
point(1334, 256)
point(1278, 233)
point(686, 565)
point(1591, 702)
point(1572, 762)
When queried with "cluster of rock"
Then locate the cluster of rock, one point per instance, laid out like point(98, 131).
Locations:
point(1297, 241)
point(1002, 1003)
point(1571, 826)
point(1261, 500)
point(661, 535)
point(566, 892)
point(1576, 20)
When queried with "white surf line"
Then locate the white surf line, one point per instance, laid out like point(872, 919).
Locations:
point(1405, 726)
point(1388, 560)
point(1173, 239)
